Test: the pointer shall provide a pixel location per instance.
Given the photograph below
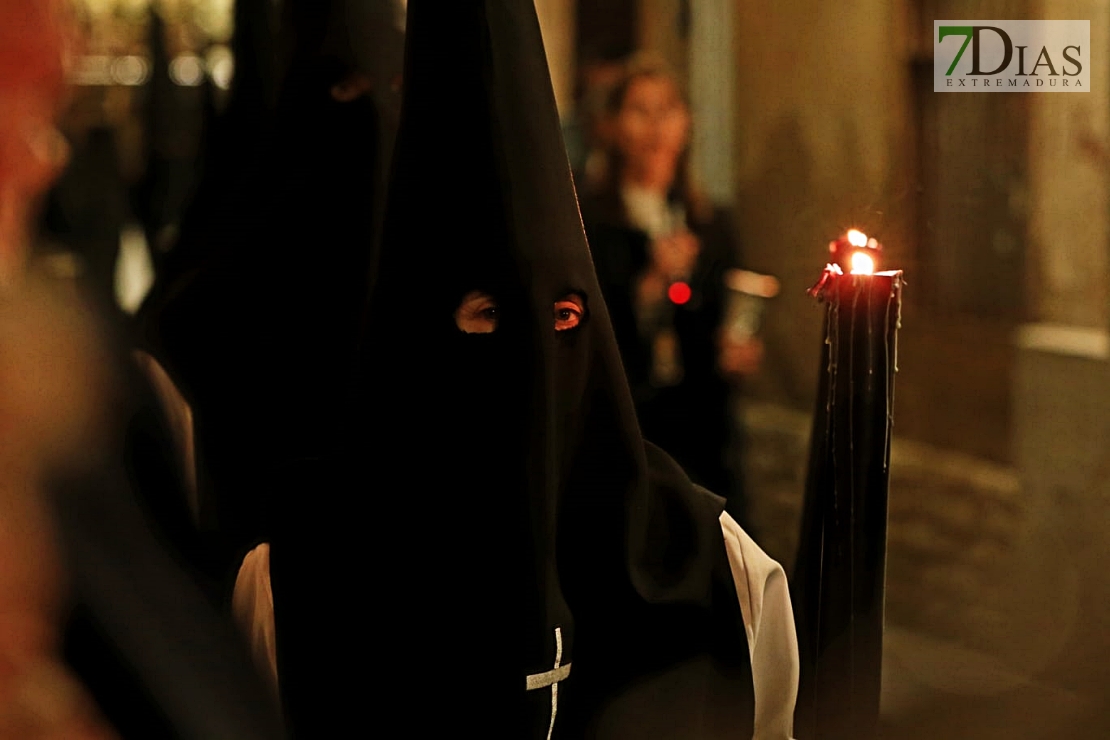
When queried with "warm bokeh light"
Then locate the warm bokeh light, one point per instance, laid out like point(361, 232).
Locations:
point(679, 293)
point(130, 70)
point(221, 66)
point(862, 263)
point(187, 70)
point(857, 238)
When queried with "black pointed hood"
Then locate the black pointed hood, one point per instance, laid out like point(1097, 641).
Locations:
point(261, 333)
point(519, 521)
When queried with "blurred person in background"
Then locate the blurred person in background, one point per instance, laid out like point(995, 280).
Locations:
point(94, 611)
point(39, 696)
point(662, 251)
point(46, 420)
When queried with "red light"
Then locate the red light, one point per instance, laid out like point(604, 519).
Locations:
point(679, 293)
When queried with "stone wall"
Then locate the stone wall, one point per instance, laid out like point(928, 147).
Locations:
point(998, 596)
point(954, 523)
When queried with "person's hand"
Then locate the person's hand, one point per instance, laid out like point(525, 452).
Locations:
point(651, 289)
point(740, 359)
point(675, 256)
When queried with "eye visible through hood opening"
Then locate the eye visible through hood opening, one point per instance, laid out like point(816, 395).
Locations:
point(570, 311)
point(480, 313)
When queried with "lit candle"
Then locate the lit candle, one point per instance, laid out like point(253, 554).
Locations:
point(840, 571)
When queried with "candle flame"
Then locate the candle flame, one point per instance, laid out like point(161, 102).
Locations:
point(862, 264)
point(857, 238)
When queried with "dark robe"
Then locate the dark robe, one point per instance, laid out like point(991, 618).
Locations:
point(496, 497)
point(187, 322)
point(259, 338)
point(153, 652)
point(261, 335)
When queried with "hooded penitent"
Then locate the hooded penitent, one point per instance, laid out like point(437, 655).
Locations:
point(261, 334)
point(233, 138)
point(533, 567)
